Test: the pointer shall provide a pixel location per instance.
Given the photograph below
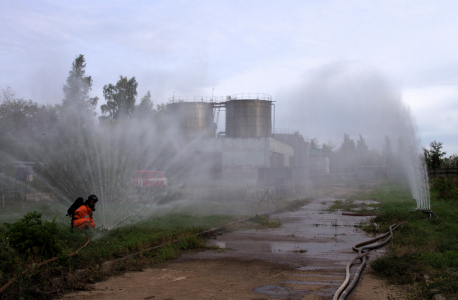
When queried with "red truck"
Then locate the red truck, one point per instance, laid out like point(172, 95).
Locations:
point(149, 179)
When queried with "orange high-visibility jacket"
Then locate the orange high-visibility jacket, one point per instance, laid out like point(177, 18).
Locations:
point(83, 217)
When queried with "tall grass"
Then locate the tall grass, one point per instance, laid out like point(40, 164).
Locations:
point(424, 251)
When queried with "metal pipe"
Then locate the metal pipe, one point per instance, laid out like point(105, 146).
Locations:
point(273, 122)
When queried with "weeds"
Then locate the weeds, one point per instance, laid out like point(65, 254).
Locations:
point(293, 205)
point(265, 222)
point(32, 237)
point(300, 251)
point(422, 246)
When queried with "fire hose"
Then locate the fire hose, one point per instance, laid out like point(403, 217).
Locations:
point(363, 252)
point(3, 288)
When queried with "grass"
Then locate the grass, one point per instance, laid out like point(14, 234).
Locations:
point(422, 246)
point(265, 222)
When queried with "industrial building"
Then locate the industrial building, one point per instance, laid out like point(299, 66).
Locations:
point(249, 153)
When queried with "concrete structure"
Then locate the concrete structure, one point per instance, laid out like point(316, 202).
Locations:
point(300, 167)
point(242, 161)
point(319, 162)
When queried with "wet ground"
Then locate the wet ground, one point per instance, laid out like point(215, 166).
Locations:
point(311, 238)
point(303, 259)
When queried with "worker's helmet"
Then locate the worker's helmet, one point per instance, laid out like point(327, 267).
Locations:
point(91, 200)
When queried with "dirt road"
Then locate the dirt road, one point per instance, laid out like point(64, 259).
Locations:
point(304, 259)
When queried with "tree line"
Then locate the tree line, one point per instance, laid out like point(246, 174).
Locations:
point(353, 154)
point(435, 158)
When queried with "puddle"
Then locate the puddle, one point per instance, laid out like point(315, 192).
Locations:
point(288, 247)
point(281, 292)
point(220, 244)
point(336, 275)
point(335, 282)
point(366, 202)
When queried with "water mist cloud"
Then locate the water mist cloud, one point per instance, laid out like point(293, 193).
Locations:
point(343, 98)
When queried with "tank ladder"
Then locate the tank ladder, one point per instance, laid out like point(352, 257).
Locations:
point(217, 107)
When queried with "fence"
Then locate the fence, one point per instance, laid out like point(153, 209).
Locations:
point(20, 195)
point(443, 172)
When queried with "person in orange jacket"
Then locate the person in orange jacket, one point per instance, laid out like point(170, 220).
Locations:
point(82, 217)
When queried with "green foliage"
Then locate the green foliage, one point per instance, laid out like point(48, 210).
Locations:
point(433, 156)
point(450, 162)
point(22, 122)
point(33, 238)
point(265, 222)
point(120, 98)
point(8, 256)
point(445, 188)
point(78, 86)
point(422, 245)
point(405, 269)
point(314, 143)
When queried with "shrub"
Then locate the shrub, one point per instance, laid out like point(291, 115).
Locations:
point(401, 270)
point(446, 188)
point(33, 238)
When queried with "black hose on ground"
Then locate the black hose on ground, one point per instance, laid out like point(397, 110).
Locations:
point(346, 288)
point(363, 252)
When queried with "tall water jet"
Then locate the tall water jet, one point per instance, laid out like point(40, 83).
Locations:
point(345, 98)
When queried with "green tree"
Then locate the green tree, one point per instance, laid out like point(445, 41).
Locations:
point(346, 156)
point(362, 152)
point(348, 146)
point(161, 107)
point(22, 122)
point(314, 143)
point(450, 162)
point(145, 109)
point(436, 154)
point(120, 98)
point(76, 91)
point(361, 145)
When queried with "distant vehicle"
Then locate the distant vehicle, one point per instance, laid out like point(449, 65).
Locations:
point(149, 179)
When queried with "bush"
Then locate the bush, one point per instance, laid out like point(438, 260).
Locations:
point(446, 188)
point(33, 238)
point(400, 270)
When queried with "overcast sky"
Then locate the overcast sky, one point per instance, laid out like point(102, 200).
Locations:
point(280, 48)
